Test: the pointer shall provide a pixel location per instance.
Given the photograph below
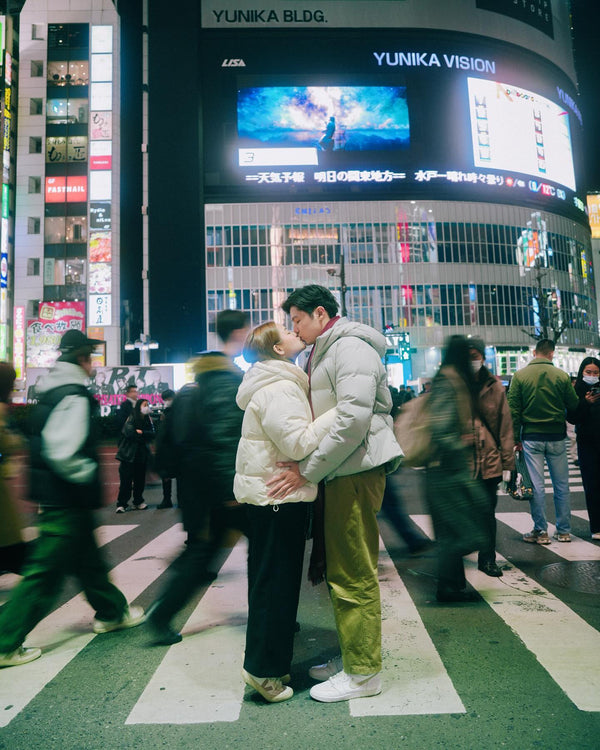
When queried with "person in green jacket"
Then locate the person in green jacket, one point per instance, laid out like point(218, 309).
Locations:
point(539, 396)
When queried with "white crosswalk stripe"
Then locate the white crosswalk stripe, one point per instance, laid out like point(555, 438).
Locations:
point(67, 630)
point(178, 693)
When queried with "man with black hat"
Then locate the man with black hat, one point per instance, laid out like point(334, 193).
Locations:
point(65, 482)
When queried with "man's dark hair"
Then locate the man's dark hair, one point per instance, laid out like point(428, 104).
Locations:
point(545, 347)
point(309, 297)
point(167, 393)
point(229, 321)
point(130, 387)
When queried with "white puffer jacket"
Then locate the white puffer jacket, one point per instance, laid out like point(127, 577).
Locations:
point(347, 373)
point(277, 426)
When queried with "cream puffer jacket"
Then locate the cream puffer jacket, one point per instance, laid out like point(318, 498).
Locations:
point(347, 373)
point(277, 426)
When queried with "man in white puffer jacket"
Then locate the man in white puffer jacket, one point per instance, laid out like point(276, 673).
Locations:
point(346, 372)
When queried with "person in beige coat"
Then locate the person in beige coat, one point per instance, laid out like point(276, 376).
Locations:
point(278, 426)
point(494, 451)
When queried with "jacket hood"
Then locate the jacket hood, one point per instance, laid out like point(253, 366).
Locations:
point(264, 373)
point(344, 327)
point(63, 373)
point(211, 362)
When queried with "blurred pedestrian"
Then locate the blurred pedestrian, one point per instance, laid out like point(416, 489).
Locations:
point(495, 447)
point(206, 428)
point(12, 547)
point(277, 424)
point(133, 453)
point(65, 482)
point(167, 482)
point(586, 417)
point(457, 499)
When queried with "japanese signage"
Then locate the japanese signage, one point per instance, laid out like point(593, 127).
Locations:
point(72, 189)
point(44, 332)
point(19, 341)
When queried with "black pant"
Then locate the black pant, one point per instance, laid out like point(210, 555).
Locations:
point(194, 566)
point(275, 557)
point(133, 473)
point(589, 465)
point(487, 554)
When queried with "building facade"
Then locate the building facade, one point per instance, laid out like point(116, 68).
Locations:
point(66, 262)
point(428, 175)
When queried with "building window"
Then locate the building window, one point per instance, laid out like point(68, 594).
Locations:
point(33, 266)
point(33, 225)
point(34, 185)
point(37, 31)
point(37, 68)
point(35, 106)
point(35, 145)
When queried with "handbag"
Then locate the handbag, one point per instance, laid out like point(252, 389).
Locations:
point(412, 431)
point(520, 486)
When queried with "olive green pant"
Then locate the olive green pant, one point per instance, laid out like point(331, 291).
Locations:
point(66, 546)
point(352, 552)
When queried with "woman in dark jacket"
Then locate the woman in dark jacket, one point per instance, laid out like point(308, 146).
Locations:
point(133, 453)
point(457, 500)
point(587, 427)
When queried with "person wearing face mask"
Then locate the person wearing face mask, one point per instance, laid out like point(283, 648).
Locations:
point(133, 454)
point(278, 425)
point(495, 457)
point(586, 418)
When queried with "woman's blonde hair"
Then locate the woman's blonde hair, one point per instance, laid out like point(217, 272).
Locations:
point(260, 342)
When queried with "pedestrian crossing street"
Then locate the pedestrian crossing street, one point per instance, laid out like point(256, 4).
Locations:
point(178, 693)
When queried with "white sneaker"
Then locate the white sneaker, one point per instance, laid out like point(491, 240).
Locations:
point(120, 509)
point(271, 688)
point(323, 672)
point(133, 616)
point(141, 506)
point(596, 535)
point(20, 656)
point(343, 687)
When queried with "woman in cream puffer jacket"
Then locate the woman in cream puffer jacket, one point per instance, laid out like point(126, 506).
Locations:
point(277, 426)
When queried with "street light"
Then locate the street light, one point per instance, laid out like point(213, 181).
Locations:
point(342, 277)
point(144, 346)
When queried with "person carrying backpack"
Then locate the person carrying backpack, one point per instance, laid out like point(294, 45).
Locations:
point(65, 482)
point(198, 446)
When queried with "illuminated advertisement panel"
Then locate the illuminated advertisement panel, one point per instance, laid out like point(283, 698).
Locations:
point(593, 203)
point(44, 332)
point(401, 114)
point(72, 189)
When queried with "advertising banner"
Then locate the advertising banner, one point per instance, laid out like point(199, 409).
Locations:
point(44, 332)
point(108, 385)
point(593, 203)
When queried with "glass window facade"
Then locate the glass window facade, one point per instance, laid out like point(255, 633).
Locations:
point(431, 268)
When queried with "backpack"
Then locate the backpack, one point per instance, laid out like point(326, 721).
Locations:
point(411, 428)
point(176, 431)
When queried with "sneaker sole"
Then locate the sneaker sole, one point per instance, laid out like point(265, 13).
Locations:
point(23, 660)
point(111, 628)
point(340, 698)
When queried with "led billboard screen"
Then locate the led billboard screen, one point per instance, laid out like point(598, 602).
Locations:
point(388, 115)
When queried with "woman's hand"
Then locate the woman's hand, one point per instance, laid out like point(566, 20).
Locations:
point(591, 398)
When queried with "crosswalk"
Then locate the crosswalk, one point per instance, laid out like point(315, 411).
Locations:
point(565, 645)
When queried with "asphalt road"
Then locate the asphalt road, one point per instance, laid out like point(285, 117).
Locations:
point(519, 669)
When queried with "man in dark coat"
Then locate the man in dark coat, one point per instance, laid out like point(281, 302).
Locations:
point(206, 426)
